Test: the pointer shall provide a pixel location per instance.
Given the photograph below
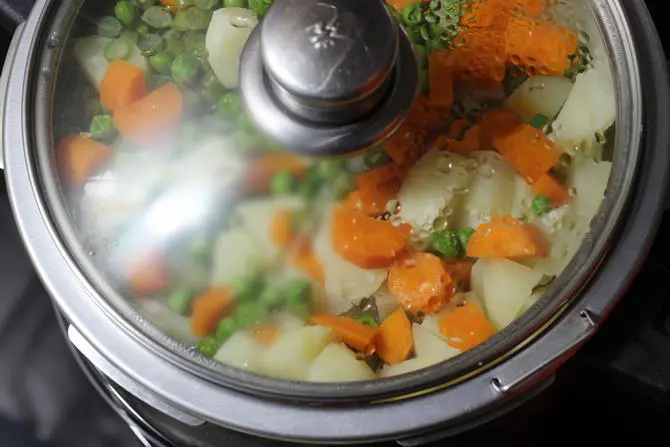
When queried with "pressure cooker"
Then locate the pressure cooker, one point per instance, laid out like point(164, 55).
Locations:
point(294, 95)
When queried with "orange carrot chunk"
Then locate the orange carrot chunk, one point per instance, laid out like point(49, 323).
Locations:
point(262, 168)
point(209, 308)
point(421, 282)
point(550, 187)
point(463, 138)
point(123, 84)
point(79, 157)
point(507, 237)
point(147, 273)
point(466, 326)
point(265, 334)
point(440, 82)
point(394, 340)
point(376, 188)
point(358, 336)
point(364, 241)
point(459, 270)
point(152, 119)
point(281, 228)
point(496, 125)
point(529, 151)
point(305, 260)
point(405, 145)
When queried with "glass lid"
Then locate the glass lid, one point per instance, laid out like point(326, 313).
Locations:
point(332, 190)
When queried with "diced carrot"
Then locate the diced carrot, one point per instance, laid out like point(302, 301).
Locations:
point(463, 142)
point(507, 237)
point(152, 119)
point(170, 3)
point(358, 336)
point(262, 168)
point(529, 151)
point(550, 187)
point(281, 229)
point(405, 145)
point(306, 261)
point(459, 270)
point(79, 157)
point(466, 326)
point(123, 84)
point(373, 177)
point(496, 125)
point(265, 334)
point(479, 57)
point(364, 241)
point(394, 340)
point(147, 273)
point(423, 115)
point(488, 14)
point(209, 308)
point(539, 47)
point(440, 82)
point(526, 8)
point(421, 282)
point(376, 187)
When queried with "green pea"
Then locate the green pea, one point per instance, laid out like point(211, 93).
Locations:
point(208, 346)
point(161, 62)
point(184, 68)
point(184, 4)
point(297, 291)
point(235, 3)
point(212, 92)
point(259, 7)
point(282, 183)
point(125, 12)
point(464, 235)
point(541, 205)
point(412, 14)
point(249, 314)
point(150, 44)
point(206, 4)
point(180, 300)
point(226, 328)
point(174, 42)
point(271, 297)
point(229, 105)
point(102, 127)
point(181, 22)
point(446, 243)
point(131, 35)
point(198, 19)
point(157, 17)
point(109, 27)
point(247, 287)
point(194, 42)
point(118, 48)
point(143, 28)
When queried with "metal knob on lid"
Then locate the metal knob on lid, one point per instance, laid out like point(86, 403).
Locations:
point(328, 77)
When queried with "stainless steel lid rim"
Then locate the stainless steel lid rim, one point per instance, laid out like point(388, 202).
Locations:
point(272, 418)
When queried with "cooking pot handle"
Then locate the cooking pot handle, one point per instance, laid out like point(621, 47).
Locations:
point(4, 85)
point(125, 381)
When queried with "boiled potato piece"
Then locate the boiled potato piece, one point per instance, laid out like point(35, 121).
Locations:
point(589, 178)
point(337, 363)
point(523, 198)
point(89, 52)
point(491, 191)
point(228, 31)
point(543, 95)
point(503, 287)
point(344, 281)
point(294, 351)
point(287, 322)
point(433, 184)
point(429, 345)
point(235, 253)
point(257, 217)
point(242, 351)
point(565, 231)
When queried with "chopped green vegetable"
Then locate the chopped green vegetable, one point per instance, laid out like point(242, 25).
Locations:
point(125, 12)
point(143, 28)
point(297, 291)
point(271, 297)
point(183, 4)
point(206, 4)
point(184, 68)
point(118, 48)
point(226, 328)
point(174, 42)
point(208, 346)
point(229, 105)
point(282, 183)
point(412, 14)
point(194, 43)
point(157, 17)
point(161, 62)
point(446, 243)
point(260, 7)
point(235, 3)
point(329, 169)
point(310, 185)
point(102, 127)
point(180, 300)
point(367, 320)
point(132, 35)
point(541, 205)
point(344, 184)
point(180, 22)
point(249, 314)
point(540, 121)
point(247, 287)
point(464, 235)
point(109, 27)
point(150, 44)
point(197, 19)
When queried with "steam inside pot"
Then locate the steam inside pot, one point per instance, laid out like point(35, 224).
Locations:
point(337, 269)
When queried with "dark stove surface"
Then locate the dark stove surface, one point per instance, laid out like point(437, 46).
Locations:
point(617, 385)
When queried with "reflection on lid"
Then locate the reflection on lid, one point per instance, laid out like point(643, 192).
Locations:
point(336, 269)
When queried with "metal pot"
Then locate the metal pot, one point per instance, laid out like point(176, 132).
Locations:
point(192, 400)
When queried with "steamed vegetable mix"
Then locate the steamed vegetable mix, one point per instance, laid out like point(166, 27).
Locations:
point(340, 269)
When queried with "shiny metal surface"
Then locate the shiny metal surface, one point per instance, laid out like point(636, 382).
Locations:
point(4, 81)
point(312, 138)
point(330, 57)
